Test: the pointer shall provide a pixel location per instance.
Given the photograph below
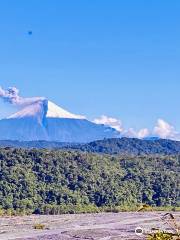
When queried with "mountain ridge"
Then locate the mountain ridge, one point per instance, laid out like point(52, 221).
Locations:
point(115, 146)
point(44, 120)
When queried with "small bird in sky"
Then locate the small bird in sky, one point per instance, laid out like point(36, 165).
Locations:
point(29, 32)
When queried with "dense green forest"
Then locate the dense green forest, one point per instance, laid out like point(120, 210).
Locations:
point(130, 146)
point(41, 180)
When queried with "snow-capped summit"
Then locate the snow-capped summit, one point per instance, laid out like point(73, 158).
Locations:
point(44, 109)
point(55, 111)
point(43, 120)
point(36, 110)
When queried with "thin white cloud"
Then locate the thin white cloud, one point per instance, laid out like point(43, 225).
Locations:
point(109, 121)
point(142, 133)
point(164, 130)
point(117, 124)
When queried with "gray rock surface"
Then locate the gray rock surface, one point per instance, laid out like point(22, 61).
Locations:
point(103, 226)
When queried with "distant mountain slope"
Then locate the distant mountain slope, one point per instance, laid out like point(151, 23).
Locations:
point(44, 120)
point(54, 129)
point(133, 146)
point(122, 146)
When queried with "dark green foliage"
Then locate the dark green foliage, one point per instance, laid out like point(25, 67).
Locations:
point(130, 146)
point(54, 181)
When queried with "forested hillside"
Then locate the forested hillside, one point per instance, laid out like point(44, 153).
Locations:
point(120, 146)
point(132, 146)
point(35, 179)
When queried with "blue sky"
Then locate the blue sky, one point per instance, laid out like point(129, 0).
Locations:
point(114, 58)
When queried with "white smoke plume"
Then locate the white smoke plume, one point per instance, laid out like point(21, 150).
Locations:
point(11, 95)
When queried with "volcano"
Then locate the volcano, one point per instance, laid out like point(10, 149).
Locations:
point(44, 120)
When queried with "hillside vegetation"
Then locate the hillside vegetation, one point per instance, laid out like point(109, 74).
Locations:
point(41, 180)
point(132, 146)
point(120, 146)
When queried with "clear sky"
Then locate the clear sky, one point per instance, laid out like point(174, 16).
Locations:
point(120, 58)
